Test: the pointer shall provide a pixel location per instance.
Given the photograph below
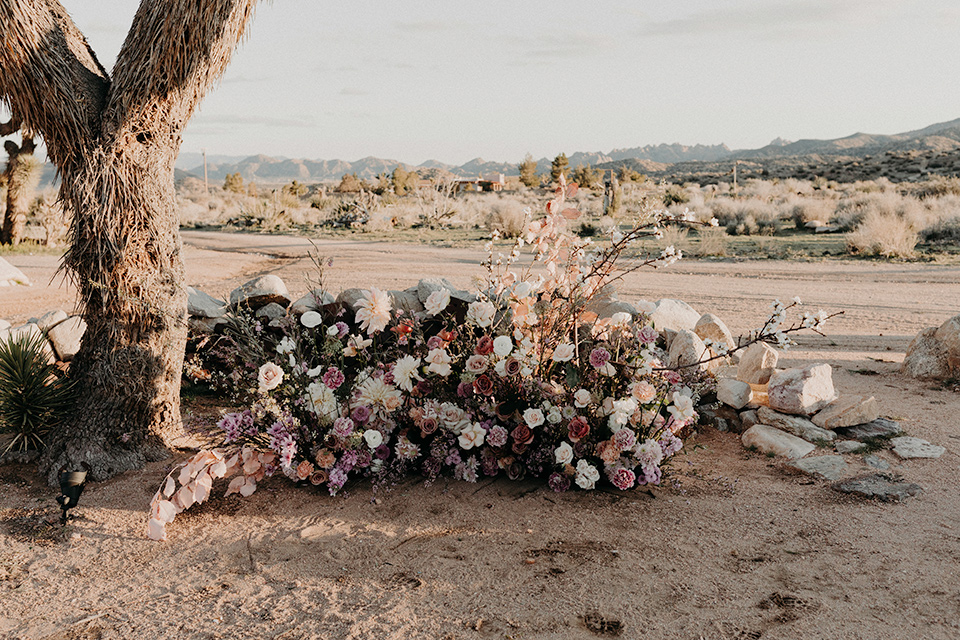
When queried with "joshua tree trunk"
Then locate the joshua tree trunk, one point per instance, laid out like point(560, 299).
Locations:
point(20, 175)
point(115, 140)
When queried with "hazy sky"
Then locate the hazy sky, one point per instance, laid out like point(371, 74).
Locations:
point(452, 81)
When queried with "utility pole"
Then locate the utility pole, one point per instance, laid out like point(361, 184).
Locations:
point(735, 165)
point(206, 186)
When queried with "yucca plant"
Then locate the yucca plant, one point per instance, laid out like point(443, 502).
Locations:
point(33, 393)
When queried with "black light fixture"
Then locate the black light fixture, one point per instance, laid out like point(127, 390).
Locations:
point(71, 486)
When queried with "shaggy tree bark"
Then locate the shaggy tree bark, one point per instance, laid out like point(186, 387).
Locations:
point(115, 140)
point(18, 175)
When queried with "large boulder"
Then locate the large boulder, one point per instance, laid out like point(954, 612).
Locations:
point(408, 301)
point(926, 357)
point(710, 327)
point(10, 276)
point(51, 319)
point(847, 411)
point(203, 305)
point(767, 439)
point(261, 291)
point(801, 391)
point(674, 314)
point(427, 286)
point(949, 336)
point(734, 393)
point(687, 348)
point(312, 301)
point(798, 426)
point(757, 363)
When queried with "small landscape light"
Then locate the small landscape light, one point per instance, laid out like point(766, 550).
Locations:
point(71, 486)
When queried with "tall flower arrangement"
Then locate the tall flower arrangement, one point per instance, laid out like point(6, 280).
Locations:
point(521, 379)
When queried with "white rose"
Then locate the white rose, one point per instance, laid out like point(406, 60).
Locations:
point(581, 398)
point(311, 319)
point(439, 362)
point(437, 302)
point(621, 317)
point(564, 352)
point(373, 438)
point(554, 416)
point(587, 475)
point(502, 346)
point(481, 313)
point(564, 453)
point(269, 376)
point(533, 417)
point(472, 436)
point(646, 306)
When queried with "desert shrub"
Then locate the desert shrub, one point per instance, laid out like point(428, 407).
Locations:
point(745, 217)
point(713, 241)
point(883, 234)
point(509, 217)
point(675, 195)
point(943, 232)
point(934, 187)
point(33, 394)
point(803, 210)
point(853, 211)
point(675, 237)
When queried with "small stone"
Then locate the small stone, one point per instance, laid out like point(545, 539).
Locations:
point(66, 337)
point(687, 348)
point(674, 314)
point(876, 462)
point(879, 486)
point(204, 326)
point(51, 319)
point(757, 363)
point(734, 393)
point(749, 418)
point(826, 467)
point(723, 418)
point(800, 427)
point(272, 311)
point(710, 327)
point(312, 301)
point(260, 291)
point(405, 300)
point(203, 305)
point(848, 446)
point(4, 325)
point(847, 411)
point(879, 428)
point(802, 391)
point(907, 447)
point(770, 440)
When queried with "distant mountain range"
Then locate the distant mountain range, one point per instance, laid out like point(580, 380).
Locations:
point(941, 138)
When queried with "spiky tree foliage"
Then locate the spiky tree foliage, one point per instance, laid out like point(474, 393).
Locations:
point(33, 397)
point(21, 177)
point(114, 138)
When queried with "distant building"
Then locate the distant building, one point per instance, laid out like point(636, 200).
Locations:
point(494, 182)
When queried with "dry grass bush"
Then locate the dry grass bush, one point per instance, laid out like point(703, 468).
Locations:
point(509, 217)
point(944, 232)
point(852, 211)
point(48, 213)
point(712, 241)
point(676, 237)
point(745, 217)
point(802, 210)
point(883, 234)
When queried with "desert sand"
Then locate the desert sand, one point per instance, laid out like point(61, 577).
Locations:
point(732, 546)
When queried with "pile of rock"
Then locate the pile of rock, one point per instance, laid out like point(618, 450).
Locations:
point(791, 413)
point(10, 276)
point(935, 352)
point(61, 331)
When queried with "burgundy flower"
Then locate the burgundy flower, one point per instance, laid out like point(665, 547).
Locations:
point(464, 390)
point(559, 482)
point(522, 434)
point(435, 342)
point(484, 346)
point(382, 452)
point(599, 357)
point(515, 470)
point(512, 366)
point(361, 414)
point(483, 385)
point(578, 429)
point(424, 388)
point(428, 426)
point(333, 378)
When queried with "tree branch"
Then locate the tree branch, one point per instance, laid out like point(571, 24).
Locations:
point(51, 78)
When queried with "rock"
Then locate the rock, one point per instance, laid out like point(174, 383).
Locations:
point(66, 337)
point(801, 391)
point(29, 329)
point(879, 486)
point(770, 440)
point(876, 462)
point(272, 311)
point(722, 418)
point(907, 447)
point(203, 305)
point(848, 446)
point(606, 308)
point(749, 418)
point(409, 302)
point(4, 325)
point(847, 411)
point(427, 286)
point(674, 314)
point(826, 467)
point(926, 357)
point(757, 363)
point(813, 224)
point(204, 326)
point(827, 228)
point(350, 297)
point(734, 393)
point(260, 291)
point(10, 276)
point(800, 427)
point(948, 334)
point(710, 327)
point(51, 319)
point(687, 348)
point(879, 428)
point(312, 301)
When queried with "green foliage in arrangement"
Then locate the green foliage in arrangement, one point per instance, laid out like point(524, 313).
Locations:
point(33, 393)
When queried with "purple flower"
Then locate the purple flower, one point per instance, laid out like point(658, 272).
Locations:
point(599, 357)
point(435, 342)
point(349, 460)
point(453, 458)
point(464, 389)
point(489, 462)
point(342, 329)
point(497, 436)
point(431, 467)
point(364, 458)
point(338, 478)
point(343, 427)
point(559, 482)
point(647, 335)
point(333, 378)
point(230, 424)
point(651, 474)
point(361, 414)
point(382, 452)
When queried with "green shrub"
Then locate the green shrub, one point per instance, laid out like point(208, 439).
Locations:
point(33, 393)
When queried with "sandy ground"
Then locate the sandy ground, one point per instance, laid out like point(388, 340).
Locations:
point(735, 547)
